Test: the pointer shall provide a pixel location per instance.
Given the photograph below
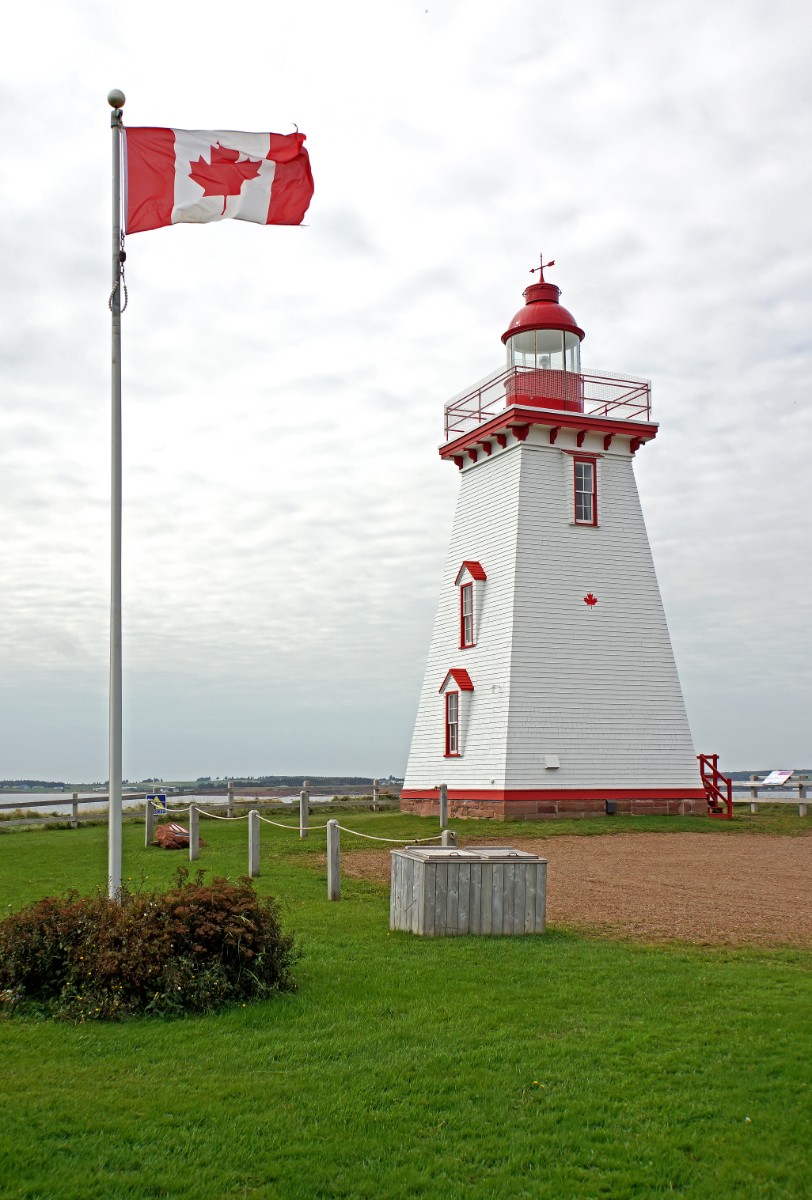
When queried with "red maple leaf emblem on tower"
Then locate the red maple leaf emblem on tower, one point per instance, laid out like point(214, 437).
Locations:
point(590, 599)
point(224, 175)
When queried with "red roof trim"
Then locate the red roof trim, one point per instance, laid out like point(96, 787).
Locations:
point(474, 569)
point(460, 677)
point(517, 415)
point(561, 794)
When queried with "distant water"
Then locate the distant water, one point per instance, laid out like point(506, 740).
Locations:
point(23, 800)
point(741, 791)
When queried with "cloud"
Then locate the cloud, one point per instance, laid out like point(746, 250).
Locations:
point(286, 516)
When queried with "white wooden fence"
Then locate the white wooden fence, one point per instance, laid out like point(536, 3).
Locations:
point(21, 804)
point(76, 800)
point(799, 784)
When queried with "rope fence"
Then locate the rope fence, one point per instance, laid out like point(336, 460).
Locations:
point(217, 817)
point(395, 841)
point(179, 812)
point(292, 828)
point(332, 828)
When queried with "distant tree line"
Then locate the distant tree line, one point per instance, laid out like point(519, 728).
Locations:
point(763, 771)
point(34, 784)
point(287, 781)
point(296, 780)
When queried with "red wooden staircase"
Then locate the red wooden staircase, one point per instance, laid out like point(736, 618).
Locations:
point(718, 788)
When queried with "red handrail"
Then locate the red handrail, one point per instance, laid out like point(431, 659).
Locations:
point(718, 788)
point(597, 394)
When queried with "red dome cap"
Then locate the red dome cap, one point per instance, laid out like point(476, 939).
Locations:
point(542, 311)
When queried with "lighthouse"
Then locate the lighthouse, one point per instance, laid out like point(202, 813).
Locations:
point(550, 687)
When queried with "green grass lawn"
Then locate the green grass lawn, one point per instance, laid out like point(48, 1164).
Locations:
point(558, 1066)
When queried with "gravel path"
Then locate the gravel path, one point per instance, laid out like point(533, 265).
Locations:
point(706, 888)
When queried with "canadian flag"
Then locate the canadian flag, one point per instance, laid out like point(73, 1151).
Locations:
point(201, 175)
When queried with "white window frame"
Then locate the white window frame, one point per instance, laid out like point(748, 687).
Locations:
point(452, 727)
point(590, 493)
point(467, 618)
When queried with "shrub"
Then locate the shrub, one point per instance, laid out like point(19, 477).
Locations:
point(192, 949)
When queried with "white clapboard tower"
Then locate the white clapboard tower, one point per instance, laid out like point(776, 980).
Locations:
point(550, 687)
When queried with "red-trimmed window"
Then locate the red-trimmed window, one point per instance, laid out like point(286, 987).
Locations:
point(466, 615)
point(586, 492)
point(452, 724)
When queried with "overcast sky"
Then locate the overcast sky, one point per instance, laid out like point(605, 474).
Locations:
point(286, 513)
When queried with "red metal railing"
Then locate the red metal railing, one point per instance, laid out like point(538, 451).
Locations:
point(597, 394)
point(718, 788)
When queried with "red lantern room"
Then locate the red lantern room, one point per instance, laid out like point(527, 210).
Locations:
point(544, 351)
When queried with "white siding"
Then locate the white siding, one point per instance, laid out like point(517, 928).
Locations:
point(485, 529)
point(596, 686)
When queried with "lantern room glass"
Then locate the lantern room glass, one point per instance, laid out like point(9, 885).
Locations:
point(545, 350)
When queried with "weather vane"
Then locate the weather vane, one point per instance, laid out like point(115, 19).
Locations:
point(541, 266)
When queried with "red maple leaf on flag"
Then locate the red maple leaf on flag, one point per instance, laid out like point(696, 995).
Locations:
point(590, 599)
point(223, 176)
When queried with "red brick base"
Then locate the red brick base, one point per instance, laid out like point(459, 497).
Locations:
point(526, 810)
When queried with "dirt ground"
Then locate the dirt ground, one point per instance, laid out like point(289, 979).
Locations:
point(707, 888)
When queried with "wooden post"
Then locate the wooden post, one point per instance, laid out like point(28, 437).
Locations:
point(253, 843)
point(448, 838)
point(230, 800)
point(74, 808)
point(149, 823)
point(304, 808)
point(801, 809)
point(753, 794)
point(194, 833)
point(443, 806)
point(376, 795)
point(333, 861)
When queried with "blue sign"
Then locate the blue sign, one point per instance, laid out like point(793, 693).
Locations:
point(158, 802)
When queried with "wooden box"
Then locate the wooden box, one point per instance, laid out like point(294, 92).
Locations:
point(439, 891)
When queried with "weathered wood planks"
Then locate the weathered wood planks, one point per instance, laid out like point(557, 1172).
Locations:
point(440, 891)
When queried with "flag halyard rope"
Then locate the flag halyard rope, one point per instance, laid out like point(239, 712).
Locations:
point(122, 258)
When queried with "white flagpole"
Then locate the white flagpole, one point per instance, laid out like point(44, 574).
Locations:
point(116, 101)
